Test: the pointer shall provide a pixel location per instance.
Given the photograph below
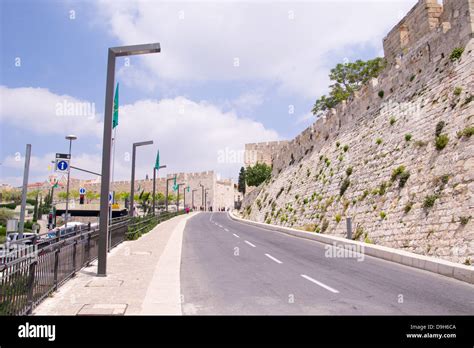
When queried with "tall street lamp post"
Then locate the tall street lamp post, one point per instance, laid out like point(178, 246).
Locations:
point(70, 138)
point(177, 197)
point(113, 52)
point(132, 184)
point(166, 197)
point(24, 191)
point(154, 185)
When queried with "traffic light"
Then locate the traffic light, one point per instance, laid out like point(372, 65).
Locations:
point(81, 199)
point(50, 218)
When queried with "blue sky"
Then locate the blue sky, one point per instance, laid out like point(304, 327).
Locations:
point(228, 74)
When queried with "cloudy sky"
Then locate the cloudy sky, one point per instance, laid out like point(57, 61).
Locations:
point(229, 73)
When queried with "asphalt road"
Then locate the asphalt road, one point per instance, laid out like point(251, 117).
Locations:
point(228, 267)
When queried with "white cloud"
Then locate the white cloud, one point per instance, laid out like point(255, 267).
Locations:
point(42, 112)
point(190, 135)
point(280, 42)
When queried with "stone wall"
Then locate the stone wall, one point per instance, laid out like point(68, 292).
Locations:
point(364, 140)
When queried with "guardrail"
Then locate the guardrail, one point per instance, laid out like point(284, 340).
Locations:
point(46, 263)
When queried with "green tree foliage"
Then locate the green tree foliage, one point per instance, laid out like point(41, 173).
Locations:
point(11, 196)
point(258, 174)
point(160, 198)
point(241, 183)
point(5, 214)
point(348, 78)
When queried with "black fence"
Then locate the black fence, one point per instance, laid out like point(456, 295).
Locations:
point(37, 267)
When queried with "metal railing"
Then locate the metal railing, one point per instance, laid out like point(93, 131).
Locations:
point(45, 262)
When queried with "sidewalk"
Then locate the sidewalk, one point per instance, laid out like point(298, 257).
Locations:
point(143, 277)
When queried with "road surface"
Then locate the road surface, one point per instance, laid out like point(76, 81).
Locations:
point(229, 267)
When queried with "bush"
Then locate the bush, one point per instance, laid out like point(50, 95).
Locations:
point(456, 54)
point(408, 207)
point(378, 141)
point(457, 91)
point(358, 233)
point(429, 201)
point(5, 214)
point(441, 142)
point(383, 215)
point(349, 171)
point(345, 148)
point(337, 218)
point(468, 132)
point(338, 143)
point(396, 172)
point(403, 179)
point(392, 121)
point(381, 94)
point(407, 137)
point(345, 184)
point(8, 205)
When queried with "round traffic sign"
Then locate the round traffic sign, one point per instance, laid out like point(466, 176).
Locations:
point(82, 191)
point(62, 165)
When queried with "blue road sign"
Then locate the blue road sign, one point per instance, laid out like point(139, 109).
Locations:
point(110, 197)
point(62, 166)
point(82, 191)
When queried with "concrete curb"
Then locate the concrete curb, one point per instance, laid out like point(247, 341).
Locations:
point(430, 264)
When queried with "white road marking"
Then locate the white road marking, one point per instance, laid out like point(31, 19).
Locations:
point(273, 258)
point(235, 235)
point(320, 284)
point(226, 229)
point(249, 243)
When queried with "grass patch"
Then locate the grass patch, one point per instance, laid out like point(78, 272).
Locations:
point(441, 142)
point(456, 54)
point(430, 201)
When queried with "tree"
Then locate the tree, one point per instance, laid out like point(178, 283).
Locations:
point(241, 183)
point(5, 214)
point(122, 196)
point(62, 195)
point(143, 199)
point(160, 198)
point(257, 174)
point(348, 78)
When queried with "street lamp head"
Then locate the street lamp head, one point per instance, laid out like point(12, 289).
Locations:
point(136, 49)
point(71, 137)
point(142, 143)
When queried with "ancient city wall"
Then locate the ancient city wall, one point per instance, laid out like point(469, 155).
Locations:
point(390, 124)
point(220, 192)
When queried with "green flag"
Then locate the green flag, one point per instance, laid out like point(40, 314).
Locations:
point(157, 163)
point(175, 186)
point(116, 107)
